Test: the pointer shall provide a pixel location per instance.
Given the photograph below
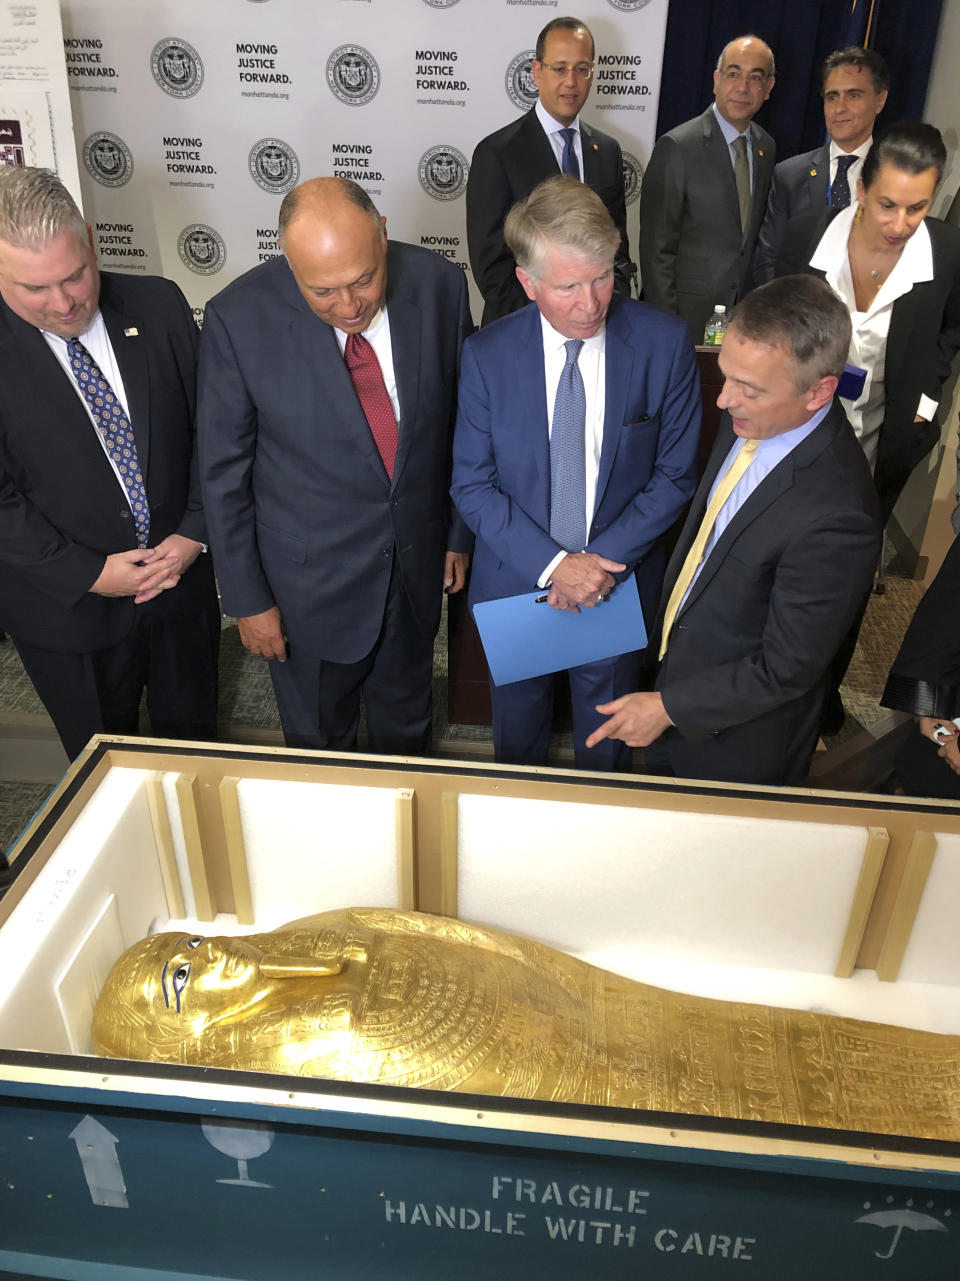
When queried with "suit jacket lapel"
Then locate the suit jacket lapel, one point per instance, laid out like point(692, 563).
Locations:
point(529, 385)
point(131, 355)
point(61, 415)
point(762, 169)
point(819, 180)
point(717, 155)
point(541, 154)
point(591, 155)
point(903, 319)
point(313, 346)
point(405, 343)
point(768, 491)
point(618, 365)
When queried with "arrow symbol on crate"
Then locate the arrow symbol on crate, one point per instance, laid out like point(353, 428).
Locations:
point(97, 1150)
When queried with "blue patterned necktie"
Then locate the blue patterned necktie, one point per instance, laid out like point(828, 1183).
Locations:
point(568, 163)
point(568, 480)
point(115, 431)
point(840, 190)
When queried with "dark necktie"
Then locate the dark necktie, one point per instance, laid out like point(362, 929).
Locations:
point(115, 431)
point(374, 400)
point(741, 174)
point(568, 480)
point(840, 190)
point(568, 163)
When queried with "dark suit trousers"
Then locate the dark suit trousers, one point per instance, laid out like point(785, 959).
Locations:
point(319, 702)
point(174, 659)
point(523, 714)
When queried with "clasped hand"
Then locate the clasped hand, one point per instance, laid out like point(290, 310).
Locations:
point(145, 572)
point(582, 579)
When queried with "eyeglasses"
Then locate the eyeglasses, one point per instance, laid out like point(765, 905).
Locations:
point(752, 77)
point(582, 70)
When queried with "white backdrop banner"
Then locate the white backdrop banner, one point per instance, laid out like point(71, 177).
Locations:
point(192, 121)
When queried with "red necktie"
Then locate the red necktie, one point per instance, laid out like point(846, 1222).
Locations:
point(372, 393)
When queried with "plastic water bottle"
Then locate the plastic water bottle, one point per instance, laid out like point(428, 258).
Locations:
point(716, 327)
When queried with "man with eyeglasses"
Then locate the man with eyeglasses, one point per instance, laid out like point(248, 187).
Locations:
point(704, 193)
point(549, 139)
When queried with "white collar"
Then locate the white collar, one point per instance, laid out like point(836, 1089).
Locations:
point(550, 125)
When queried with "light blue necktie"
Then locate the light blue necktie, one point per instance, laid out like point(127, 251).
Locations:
point(568, 163)
point(114, 427)
point(568, 480)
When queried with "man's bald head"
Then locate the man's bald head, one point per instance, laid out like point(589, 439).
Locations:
point(335, 243)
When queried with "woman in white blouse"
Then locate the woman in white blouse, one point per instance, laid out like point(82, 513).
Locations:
point(898, 272)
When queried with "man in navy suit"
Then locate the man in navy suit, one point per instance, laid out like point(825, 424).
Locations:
point(551, 138)
point(631, 371)
point(776, 555)
point(104, 585)
point(326, 409)
point(854, 85)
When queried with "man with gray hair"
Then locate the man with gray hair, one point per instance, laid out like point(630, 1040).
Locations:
point(574, 452)
point(327, 398)
point(104, 587)
point(704, 193)
point(775, 558)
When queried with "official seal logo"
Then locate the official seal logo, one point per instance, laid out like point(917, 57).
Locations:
point(177, 68)
point(632, 176)
point(201, 249)
point(274, 165)
point(108, 159)
point(520, 87)
point(443, 173)
point(353, 75)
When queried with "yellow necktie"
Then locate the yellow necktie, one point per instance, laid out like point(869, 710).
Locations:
point(694, 556)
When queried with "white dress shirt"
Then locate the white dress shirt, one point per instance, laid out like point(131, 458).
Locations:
point(97, 342)
point(592, 365)
point(377, 335)
point(552, 129)
point(868, 345)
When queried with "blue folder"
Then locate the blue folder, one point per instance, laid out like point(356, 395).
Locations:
point(523, 637)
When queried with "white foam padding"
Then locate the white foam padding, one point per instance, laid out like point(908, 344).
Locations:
point(701, 888)
point(933, 951)
point(79, 983)
point(169, 785)
point(312, 847)
point(110, 851)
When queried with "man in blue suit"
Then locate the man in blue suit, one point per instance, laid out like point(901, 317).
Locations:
point(326, 409)
point(624, 374)
point(854, 86)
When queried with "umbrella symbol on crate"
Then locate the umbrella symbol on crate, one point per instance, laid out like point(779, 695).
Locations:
point(900, 1219)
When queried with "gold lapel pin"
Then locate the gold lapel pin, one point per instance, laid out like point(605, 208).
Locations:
point(595, 147)
point(131, 333)
point(813, 173)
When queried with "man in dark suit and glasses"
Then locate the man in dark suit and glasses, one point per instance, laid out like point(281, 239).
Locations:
point(704, 193)
point(551, 138)
point(104, 587)
point(775, 557)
